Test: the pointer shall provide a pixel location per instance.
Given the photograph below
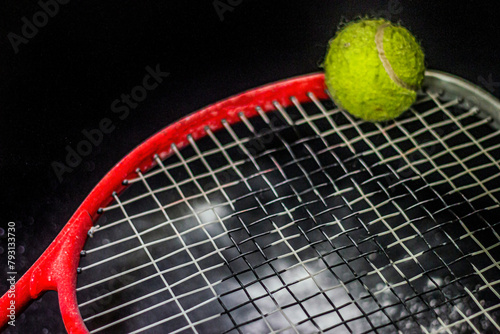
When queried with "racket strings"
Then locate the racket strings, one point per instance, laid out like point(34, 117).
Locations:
point(400, 211)
point(315, 209)
point(322, 200)
point(351, 141)
point(463, 129)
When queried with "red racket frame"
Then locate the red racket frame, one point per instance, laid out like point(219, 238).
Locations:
point(56, 268)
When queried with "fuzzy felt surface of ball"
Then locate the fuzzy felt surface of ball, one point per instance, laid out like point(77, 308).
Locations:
point(373, 69)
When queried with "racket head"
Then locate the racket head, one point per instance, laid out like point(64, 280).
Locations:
point(57, 269)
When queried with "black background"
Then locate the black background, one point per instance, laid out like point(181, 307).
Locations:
point(64, 79)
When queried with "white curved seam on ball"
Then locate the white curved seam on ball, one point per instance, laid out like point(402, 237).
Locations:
point(379, 42)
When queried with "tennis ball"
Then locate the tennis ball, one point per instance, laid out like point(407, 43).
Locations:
point(374, 68)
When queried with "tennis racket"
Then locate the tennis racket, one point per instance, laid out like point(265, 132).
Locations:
point(275, 211)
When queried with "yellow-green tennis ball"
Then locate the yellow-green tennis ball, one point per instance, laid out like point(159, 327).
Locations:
point(373, 69)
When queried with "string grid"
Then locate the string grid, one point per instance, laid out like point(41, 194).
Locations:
point(306, 220)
